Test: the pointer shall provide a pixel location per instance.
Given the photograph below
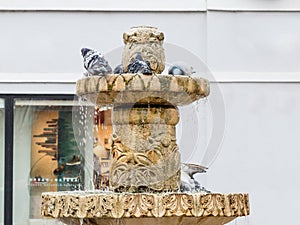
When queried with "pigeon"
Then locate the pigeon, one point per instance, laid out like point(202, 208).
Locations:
point(119, 69)
point(95, 63)
point(138, 65)
point(188, 182)
point(192, 169)
point(181, 68)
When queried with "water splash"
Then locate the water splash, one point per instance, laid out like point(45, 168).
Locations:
point(83, 116)
point(88, 124)
point(241, 221)
point(201, 103)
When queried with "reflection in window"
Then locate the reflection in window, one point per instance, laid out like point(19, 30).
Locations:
point(58, 146)
point(46, 155)
point(101, 146)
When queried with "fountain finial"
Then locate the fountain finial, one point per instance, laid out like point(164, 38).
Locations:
point(143, 34)
point(148, 41)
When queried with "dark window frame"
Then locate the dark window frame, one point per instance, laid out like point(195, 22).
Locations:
point(9, 100)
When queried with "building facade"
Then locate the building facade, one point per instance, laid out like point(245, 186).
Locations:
point(249, 50)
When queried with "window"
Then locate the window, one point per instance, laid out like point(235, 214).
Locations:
point(52, 152)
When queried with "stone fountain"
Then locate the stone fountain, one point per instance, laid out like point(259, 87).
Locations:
point(145, 159)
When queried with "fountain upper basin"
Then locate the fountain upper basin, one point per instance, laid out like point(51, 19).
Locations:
point(131, 88)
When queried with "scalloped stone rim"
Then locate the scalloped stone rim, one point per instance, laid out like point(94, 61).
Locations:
point(132, 88)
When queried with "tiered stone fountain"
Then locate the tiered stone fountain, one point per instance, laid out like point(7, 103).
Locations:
point(145, 162)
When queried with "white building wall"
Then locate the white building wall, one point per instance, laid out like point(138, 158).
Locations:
point(259, 42)
point(260, 150)
point(50, 42)
point(252, 49)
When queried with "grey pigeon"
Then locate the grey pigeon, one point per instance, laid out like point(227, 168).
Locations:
point(119, 69)
point(188, 182)
point(181, 68)
point(138, 65)
point(191, 169)
point(95, 63)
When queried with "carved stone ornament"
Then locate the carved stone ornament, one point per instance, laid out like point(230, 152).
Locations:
point(144, 208)
point(148, 41)
point(147, 157)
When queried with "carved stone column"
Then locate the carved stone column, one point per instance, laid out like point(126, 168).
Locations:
point(145, 155)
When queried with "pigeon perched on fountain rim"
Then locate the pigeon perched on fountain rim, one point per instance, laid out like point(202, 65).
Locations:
point(95, 63)
point(119, 69)
point(138, 65)
point(181, 68)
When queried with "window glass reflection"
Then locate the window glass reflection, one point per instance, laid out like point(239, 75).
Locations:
point(46, 156)
point(58, 146)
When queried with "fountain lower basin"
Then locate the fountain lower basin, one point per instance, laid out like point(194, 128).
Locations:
point(144, 208)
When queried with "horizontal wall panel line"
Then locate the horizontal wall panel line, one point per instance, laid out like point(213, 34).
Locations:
point(183, 10)
point(262, 77)
point(250, 10)
point(66, 83)
point(98, 10)
point(70, 78)
point(103, 5)
point(253, 5)
point(146, 6)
